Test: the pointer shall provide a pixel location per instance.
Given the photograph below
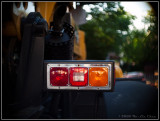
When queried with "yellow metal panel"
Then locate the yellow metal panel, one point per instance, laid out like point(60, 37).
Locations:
point(46, 9)
point(72, 21)
point(83, 47)
point(79, 47)
point(118, 72)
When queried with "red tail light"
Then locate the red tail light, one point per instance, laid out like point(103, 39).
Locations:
point(58, 76)
point(80, 75)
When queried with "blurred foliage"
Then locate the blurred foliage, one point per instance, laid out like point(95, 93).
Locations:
point(151, 41)
point(140, 46)
point(104, 30)
point(108, 31)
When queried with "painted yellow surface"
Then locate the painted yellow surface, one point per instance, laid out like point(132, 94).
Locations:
point(118, 71)
point(79, 45)
point(46, 9)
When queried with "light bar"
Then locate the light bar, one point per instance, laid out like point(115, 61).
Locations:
point(79, 75)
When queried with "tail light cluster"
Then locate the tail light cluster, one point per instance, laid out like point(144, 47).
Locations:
point(80, 75)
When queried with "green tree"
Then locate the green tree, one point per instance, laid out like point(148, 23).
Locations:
point(141, 46)
point(151, 41)
point(104, 32)
point(108, 31)
point(134, 48)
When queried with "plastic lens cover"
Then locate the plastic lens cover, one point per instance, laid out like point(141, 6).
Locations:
point(98, 76)
point(58, 76)
point(80, 75)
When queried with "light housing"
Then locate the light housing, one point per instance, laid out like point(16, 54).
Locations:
point(79, 75)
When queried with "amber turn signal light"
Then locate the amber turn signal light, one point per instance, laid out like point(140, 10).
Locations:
point(98, 76)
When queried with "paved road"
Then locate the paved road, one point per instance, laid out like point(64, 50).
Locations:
point(130, 99)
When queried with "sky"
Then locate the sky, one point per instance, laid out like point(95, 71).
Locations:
point(138, 9)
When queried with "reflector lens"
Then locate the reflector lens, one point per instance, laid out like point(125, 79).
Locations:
point(59, 76)
point(78, 76)
point(98, 76)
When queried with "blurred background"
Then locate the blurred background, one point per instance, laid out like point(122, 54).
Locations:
point(126, 32)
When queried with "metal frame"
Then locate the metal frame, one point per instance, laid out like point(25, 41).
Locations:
point(88, 64)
